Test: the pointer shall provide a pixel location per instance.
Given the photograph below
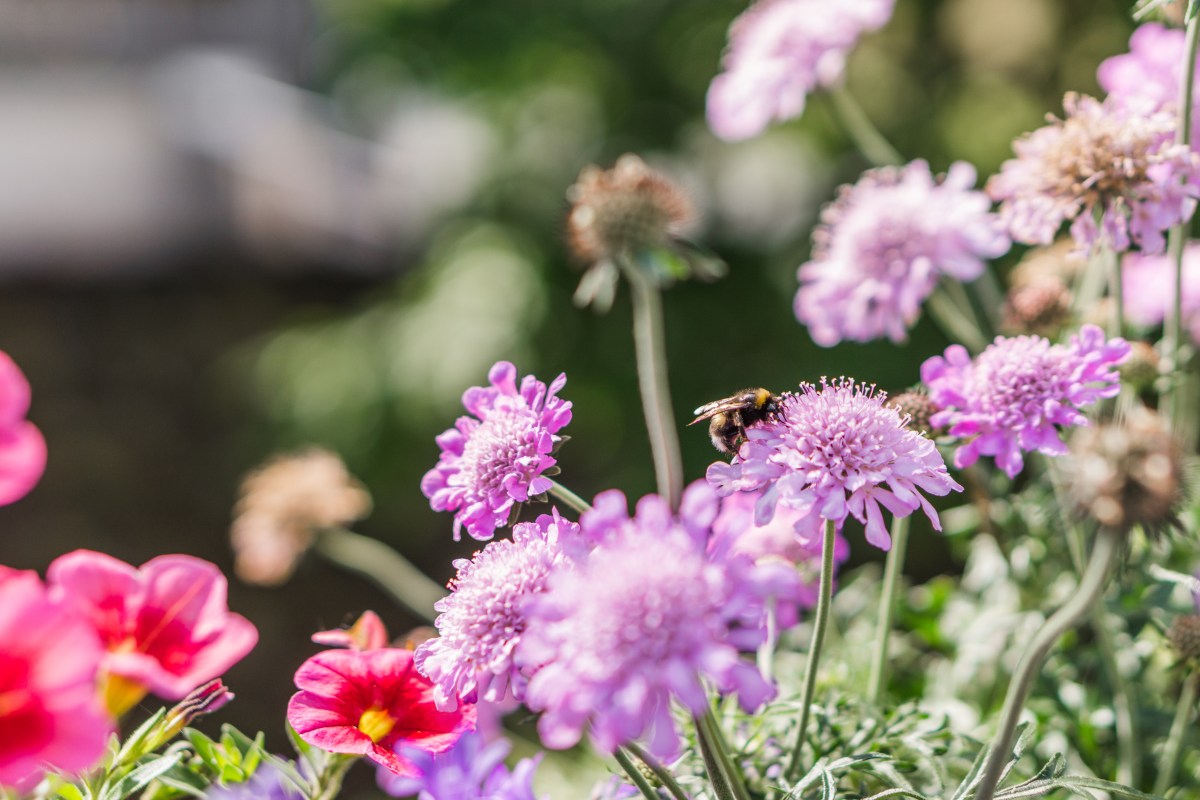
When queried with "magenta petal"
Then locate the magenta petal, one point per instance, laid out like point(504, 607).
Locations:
point(22, 461)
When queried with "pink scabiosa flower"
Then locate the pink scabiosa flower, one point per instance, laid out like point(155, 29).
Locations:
point(646, 618)
point(1149, 283)
point(22, 448)
point(471, 770)
point(1100, 159)
point(165, 625)
point(50, 714)
point(1014, 395)
point(498, 456)
point(372, 703)
point(779, 51)
point(1147, 79)
point(836, 451)
point(482, 621)
point(883, 245)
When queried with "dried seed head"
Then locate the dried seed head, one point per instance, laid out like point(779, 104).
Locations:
point(624, 209)
point(1184, 636)
point(1128, 474)
point(1040, 306)
point(1140, 370)
point(919, 409)
point(1059, 260)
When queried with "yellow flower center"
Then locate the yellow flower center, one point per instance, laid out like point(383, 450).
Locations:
point(376, 723)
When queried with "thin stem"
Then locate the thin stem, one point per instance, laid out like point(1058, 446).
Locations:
point(1174, 344)
point(384, 567)
point(867, 138)
point(1116, 287)
point(1179, 732)
point(954, 321)
point(650, 341)
point(573, 500)
point(635, 775)
point(726, 780)
point(335, 773)
point(661, 772)
point(1129, 761)
point(1091, 587)
point(887, 609)
point(820, 622)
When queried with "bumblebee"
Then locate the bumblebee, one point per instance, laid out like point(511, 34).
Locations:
point(731, 416)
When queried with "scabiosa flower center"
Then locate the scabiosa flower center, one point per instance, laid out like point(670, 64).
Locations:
point(506, 437)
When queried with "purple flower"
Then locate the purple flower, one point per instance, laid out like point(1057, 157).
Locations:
point(1102, 159)
point(1012, 397)
point(779, 51)
point(482, 621)
point(471, 770)
point(496, 458)
point(646, 618)
point(267, 783)
point(883, 245)
point(834, 452)
point(1147, 78)
point(1149, 283)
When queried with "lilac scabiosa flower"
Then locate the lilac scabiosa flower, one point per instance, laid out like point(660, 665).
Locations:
point(779, 51)
point(482, 621)
point(1101, 159)
point(1147, 78)
point(1149, 283)
point(267, 783)
point(836, 451)
point(497, 457)
point(1014, 395)
point(646, 618)
point(472, 770)
point(883, 245)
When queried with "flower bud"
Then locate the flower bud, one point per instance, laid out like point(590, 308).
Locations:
point(1140, 370)
point(1042, 306)
point(1184, 636)
point(919, 409)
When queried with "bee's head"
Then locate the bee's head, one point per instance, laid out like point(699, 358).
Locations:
point(764, 400)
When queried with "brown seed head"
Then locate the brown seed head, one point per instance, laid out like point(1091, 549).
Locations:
point(624, 209)
point(1040, 306)
point(1184, 636)
point(919, 409)
point(1128, 474)
point(1059, 260)
point(1140, 369)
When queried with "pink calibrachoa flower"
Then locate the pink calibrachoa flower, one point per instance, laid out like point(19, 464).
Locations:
point(22, 448)
point(1015, 394)
point(1149, 283)
point(779, 51)
point(1101, 159)
point(497, 457)
point(1147, 79)
point(648, 616)
point(50, 714)
point(372, 703)
point(165, 625)
point(883, 245)
point(833, 452)
point(482, 621)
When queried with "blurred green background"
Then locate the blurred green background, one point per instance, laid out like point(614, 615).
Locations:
point(241, 226)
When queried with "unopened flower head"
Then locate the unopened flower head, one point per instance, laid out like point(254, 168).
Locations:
point(834, 451)
point(1040, 306)
point(1128, 474)
point(779, 51)
point(1101, 159)
point(619, 211)
point(883, 245)
point(498, 456)
point(1149, 283)
point(1148, 78)
point(1060, 261)
point(1016, 394)
point(645, 619)
point(1184, 636)
point(283, 503)
point(916, 407)
point(481, 622)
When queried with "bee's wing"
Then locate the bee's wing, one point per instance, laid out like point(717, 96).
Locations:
point(710, 410)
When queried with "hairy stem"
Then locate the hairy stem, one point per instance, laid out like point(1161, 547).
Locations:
point(660, 772)
point(1178, 735)
point(384, 567)
point(820, 622)
point(572, 500)
point(650, 341)
point(635, 775)
point(1091, 587)
point(887, 609)
point(726, 780)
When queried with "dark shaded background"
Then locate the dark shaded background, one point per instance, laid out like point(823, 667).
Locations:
point(229, 227)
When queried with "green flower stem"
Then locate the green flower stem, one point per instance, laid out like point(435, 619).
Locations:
point(820, 622)
point(954, 320)
point(570, 498)
point(650, 341)
point(867, 138)
point(1174, 344)
point(1129, 760)
point(1179, 733)
point(331, 781)
point(384, 567)
point(1091, 587)
point(635, 775)
point(726, 780)
point(887, 609)
point(1116, 286)
point(660, 772)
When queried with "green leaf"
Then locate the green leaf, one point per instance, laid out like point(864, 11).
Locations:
point(69, 791)
point(142, 776)
point(1121, 790)
point(205, 748)
point(137, 745)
